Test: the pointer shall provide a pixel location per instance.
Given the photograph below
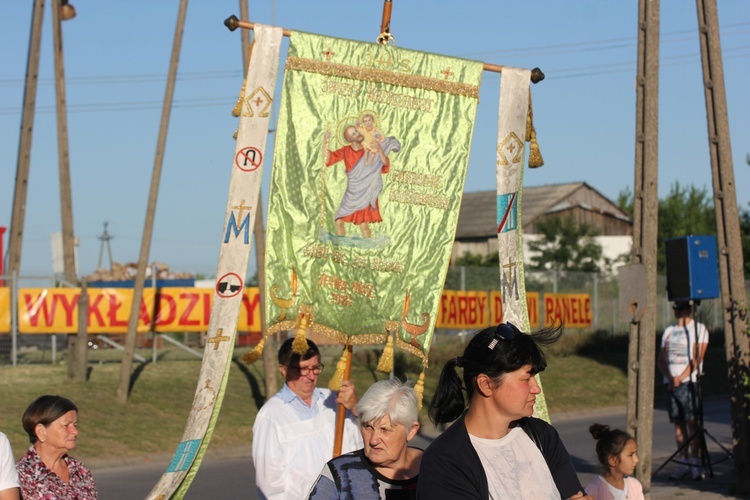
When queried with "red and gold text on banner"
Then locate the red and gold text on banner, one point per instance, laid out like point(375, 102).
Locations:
point(55, 310)
point(471, 310)
point(571, 309)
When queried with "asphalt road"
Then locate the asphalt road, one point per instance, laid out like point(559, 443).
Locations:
point(230, 474)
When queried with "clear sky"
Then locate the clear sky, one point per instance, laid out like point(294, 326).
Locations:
point(116, 62)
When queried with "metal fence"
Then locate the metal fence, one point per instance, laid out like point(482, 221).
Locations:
point(603, 289)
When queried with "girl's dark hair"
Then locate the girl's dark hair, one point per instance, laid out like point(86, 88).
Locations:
point(494, 351)
point(45, 410)
point(609, 442)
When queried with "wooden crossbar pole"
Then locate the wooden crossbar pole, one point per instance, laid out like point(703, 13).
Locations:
point(232, 22)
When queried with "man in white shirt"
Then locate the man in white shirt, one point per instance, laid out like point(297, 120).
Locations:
point(293, 433)
point(8, 475)
point(683, 347)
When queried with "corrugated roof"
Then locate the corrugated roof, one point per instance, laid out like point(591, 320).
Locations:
point(478, 215)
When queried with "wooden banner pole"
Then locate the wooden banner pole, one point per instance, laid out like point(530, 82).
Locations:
point(341, 412)
point(385, 24)
point(232, 22)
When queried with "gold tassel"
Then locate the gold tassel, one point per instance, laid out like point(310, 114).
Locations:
point(300, 345)
point(535, 155)
point(529, 121)
point(419, 389)
point(385, 365)
point(251, 357)
point(335, 383)
point(237, 111)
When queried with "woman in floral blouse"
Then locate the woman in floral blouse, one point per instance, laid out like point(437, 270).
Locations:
point(47, 471)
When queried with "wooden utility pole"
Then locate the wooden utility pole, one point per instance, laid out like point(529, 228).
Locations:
point(148, 227)
point(79, 349)
point(645, 227)
point(76, 354)
point(24, 147)
point(731, 266)
point(63, 151)
point(270, 362)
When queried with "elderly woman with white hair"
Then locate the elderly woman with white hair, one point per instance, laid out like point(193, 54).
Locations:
point(388, 415)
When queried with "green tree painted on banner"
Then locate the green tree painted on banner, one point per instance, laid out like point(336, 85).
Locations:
point(565, 245)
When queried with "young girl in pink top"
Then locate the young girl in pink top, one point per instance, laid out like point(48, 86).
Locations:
point(616, 451)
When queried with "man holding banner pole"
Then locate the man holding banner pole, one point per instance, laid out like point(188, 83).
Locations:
point(293, 433)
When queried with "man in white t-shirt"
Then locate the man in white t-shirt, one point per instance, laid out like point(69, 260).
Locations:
point(8, 475)
point(293, 433)
point(683, 347)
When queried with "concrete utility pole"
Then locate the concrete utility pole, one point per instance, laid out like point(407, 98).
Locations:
point(24, 146)
point(140, 278)
point(645, 227)
point(731, 266)
point(270, 362)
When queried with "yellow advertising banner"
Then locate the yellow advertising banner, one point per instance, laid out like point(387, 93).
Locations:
point(472, 310)
point(55, 310)
point(571, 309)
point(4, 310)
point(463, 310)
point(532, 304)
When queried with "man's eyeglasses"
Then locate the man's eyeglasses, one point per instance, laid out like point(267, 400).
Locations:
point(505, 332)
point(304, 371)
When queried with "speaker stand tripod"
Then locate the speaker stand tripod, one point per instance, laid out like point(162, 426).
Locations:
point(700, 434)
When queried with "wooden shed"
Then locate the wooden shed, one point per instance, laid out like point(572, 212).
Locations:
point(477, 221)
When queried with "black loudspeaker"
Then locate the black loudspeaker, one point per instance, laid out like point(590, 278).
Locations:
point(692, 268)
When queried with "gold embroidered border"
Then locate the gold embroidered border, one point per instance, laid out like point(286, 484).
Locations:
point(280, 327)
point(382, 76)
point(392, 326)
point(342, 338)
point(361, 339)
point(410, 348)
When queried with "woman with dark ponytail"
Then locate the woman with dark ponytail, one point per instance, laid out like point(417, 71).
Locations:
point(496, 449)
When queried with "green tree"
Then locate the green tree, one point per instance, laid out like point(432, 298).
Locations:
point(685, 211)
point(565, 245)
point(625, 202)
point(745, 235)
point(475, 260)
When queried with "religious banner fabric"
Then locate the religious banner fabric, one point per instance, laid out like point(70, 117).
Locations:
point(370, 159)
point(244, 188)
point(513, 116)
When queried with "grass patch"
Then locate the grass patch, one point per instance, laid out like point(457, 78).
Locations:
point(585, 371)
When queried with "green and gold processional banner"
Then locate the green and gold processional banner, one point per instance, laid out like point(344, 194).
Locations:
point(369, 167)
point(370, 159)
